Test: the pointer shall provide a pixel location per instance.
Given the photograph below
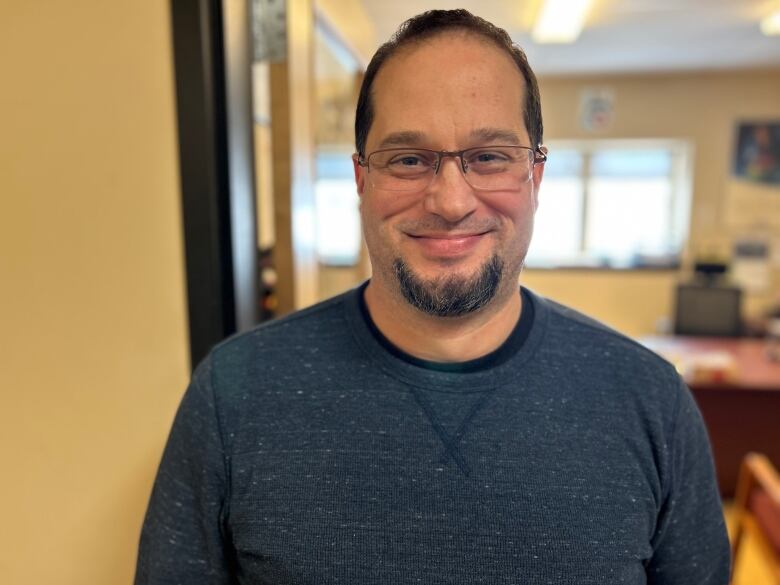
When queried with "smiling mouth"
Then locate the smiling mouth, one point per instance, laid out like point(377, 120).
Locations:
point(447, 236)
point(447, 244)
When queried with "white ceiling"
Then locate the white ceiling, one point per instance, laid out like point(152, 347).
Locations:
point(620, 36)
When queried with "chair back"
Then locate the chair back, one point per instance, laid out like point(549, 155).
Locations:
point(757, 510)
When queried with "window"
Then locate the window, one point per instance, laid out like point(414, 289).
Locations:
point(612, 204)
point(336, 201)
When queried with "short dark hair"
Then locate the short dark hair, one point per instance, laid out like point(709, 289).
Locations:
point(427, 25)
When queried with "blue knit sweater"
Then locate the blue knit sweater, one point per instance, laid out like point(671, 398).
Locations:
point(305, 452)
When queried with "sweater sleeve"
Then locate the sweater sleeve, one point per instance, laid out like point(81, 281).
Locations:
point(690, 544)
point(183, 537)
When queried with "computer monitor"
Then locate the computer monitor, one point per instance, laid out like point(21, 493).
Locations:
point(714, 311)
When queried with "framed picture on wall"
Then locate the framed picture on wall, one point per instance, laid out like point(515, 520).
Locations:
point(757, 155)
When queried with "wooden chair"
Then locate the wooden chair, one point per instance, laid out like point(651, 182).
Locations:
point(757, 510)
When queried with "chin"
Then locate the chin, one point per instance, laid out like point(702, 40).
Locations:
point(448, 293)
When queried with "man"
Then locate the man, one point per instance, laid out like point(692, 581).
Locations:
point(438, 424)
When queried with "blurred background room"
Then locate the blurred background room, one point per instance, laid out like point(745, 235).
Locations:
point(173, 172)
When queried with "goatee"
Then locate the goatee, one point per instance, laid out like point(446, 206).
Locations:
point(453, 295)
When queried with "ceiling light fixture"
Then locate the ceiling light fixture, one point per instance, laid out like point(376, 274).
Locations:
point(560, 21)
point(771, 24)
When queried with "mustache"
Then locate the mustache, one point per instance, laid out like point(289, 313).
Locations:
point(435, 223)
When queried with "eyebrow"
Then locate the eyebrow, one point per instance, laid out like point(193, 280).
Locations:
point(496, 136)
point(403, 138)
point(481, 135)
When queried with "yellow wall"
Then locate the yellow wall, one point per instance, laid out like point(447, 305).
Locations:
point(631, 301)
point(92, 303)
point(704, 109)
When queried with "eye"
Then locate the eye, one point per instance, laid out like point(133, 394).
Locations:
point(487, 157)
point(408, 159)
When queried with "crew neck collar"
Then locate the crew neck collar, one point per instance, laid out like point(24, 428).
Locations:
point(473, 375)
point(498, 356)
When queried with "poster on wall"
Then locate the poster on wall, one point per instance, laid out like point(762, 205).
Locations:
point(757, 155)
point(597, 109)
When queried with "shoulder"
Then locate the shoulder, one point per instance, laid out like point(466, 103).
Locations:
point(304, 327)
point(635, 393)
point(605, 359)
point(277, 348)
point(584, 336)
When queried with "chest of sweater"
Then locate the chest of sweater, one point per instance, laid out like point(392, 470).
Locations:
point(408, 485)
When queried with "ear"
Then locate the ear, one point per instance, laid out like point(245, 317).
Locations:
point(536, 178)
point(360, 175)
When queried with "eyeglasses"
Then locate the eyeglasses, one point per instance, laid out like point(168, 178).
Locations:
point(487, 168)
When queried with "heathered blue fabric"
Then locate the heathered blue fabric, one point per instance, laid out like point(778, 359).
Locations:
point(304, 452)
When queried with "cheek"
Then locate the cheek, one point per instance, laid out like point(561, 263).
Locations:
point(376, 222)
point(387, 207)
point(517, 209)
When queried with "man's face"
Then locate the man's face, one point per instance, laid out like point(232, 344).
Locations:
point(451, 92)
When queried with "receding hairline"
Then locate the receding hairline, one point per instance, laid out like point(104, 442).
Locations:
point(414, 43)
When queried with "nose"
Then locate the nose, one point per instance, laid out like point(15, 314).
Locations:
point(449, 195)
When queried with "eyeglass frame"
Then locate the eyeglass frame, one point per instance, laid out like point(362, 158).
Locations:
point(540, 157)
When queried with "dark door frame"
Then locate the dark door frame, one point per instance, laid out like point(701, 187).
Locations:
point(212, 50)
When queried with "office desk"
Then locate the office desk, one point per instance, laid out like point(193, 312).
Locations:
point(740, 401)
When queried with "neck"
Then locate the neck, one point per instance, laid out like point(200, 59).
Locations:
point(444, 339)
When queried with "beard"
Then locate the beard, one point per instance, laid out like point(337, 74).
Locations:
point(452, 295)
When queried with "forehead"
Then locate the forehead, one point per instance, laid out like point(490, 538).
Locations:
point(447, 88)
